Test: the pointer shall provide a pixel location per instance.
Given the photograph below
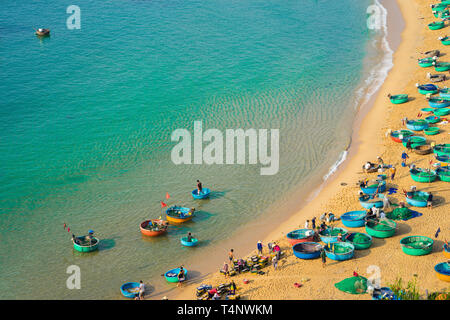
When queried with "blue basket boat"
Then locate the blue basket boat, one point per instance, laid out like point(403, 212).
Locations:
point(433, 119)
point(443, 271)
point(379, 185)
point(307, 250)
point(187, 243)
point(330, 235)
point(444, 93)
point(300, 235)
point(417, 199)
point(340, 251)
point(130, 289)
point(203, 195)
point(438, 103)
point(354, 219)
point(443, 159)
point(368, 202)
point(417, 125)
point(172, 275)
point(428, 88)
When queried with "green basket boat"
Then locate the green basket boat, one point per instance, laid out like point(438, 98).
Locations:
point(360, 241)
point(431, 131)
point(416, 141)
point(439, 7)
point(443, 173)
point(441, 66)
point(436, 25)
point(426, 62)
point(445, 41)
point(399, 98)
point(427, 109)
point(82, 244)
point(441, 112)
point(383, 228)
point(422, 175)
point(417, 245)
point(442, 149)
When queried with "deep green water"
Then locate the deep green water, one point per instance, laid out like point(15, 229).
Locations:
point(86, 117)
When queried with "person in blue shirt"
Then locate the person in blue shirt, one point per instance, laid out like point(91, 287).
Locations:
point(404, 157)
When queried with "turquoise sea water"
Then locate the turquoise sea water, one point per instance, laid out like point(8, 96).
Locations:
point(86, 117)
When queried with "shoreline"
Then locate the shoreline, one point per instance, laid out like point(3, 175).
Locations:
point(361, 148)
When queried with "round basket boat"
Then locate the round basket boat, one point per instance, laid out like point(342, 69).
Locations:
point(431, 131)
point(423, 149)
point(427, 109)
point(433, 119)
point(441, 112)
point(177, 214)
point(153, 227)
point(384, 228)
point(184, 241)
point(441, 66)
point(438, 103)
point(330, 235)
point(443, 173)
point(439, 7)
point(172, 275)
point(417, 245)
point(416, 141)
point(340, 251)
point(399, 135)
point(373, 186)
point(446, 251)
point(130, 289)
point(82, 244)
point(428, 89)
point(300, 235)
point(367, 202)
point(443, 271)
point(401, 98)
point(418, 199)
point(307, 250)
point(43, 32)
point(422, 175)
point(445, 41)
point(353, 219)
point(444, 159)
point(425, 62)
point(417, 125)
point(442, 149)
point(360, 241)
point(203, 195)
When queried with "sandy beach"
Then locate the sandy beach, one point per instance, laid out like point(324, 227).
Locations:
point(340, 194)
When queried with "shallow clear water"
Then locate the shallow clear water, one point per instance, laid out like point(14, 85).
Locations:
point(86, 117)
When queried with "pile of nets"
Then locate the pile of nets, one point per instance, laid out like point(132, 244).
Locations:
point(360, 238)
point(353, 285)
point(400, 214)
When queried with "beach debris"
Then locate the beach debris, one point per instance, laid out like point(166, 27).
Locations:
point(298, 285)
point(392, 190)
point(437, 232)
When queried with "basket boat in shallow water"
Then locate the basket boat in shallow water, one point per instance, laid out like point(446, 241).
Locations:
point(354, 219)
point(417, 245)
point(382, 228)
point(360, 241)
point(417, 198)
point(330, 235)
point(443, 271)
point(83, 244)
point(203, 195)
point(184, 241)
point(340, 251)
point(422, 175)
point(367, 202)
point(153, 227)
point(399, 135)
point(130, 289)
point(300, 235)
point(443, 173)
point(307, 250)
point(172, 275)
point(179, 214)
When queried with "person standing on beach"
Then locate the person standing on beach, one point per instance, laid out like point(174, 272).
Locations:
point(181, 276)
point(199, 187)
point(225, 269)
point(141, 290)
point(323, 217)
point(259, 245)
point(404, 157)
point(408, 145)
point(231, 256)
point(313, 223)
point(232, 287)
point(430, 201)
point(306, 224)
point(392, 172)
point(323, 255)
point(275, 262)
point(386, 204)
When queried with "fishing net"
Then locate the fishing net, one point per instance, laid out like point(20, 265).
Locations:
point(399, 214)
point(360, 238)
point(417, 242)
point(353, 285)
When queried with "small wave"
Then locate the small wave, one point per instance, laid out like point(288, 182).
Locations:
point(336, 165)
